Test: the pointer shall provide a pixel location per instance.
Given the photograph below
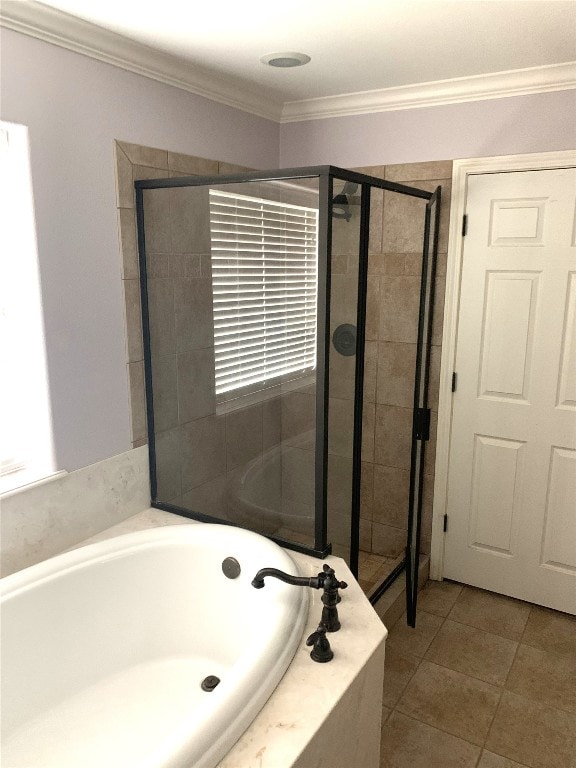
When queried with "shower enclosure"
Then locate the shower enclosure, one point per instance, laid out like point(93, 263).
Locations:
point(253, 293)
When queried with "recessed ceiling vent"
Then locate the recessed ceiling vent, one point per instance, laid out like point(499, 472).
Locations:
point(285, 59)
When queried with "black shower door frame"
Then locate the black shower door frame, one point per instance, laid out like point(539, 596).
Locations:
point(326, 174)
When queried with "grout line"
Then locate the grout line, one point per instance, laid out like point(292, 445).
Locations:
point(436, 728)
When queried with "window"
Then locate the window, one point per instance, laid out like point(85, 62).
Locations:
point(264, 276)
point(26, 452)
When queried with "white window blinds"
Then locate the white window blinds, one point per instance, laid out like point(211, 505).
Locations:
point(264, 277)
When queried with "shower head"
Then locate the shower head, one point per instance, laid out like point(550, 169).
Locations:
point(341, 202)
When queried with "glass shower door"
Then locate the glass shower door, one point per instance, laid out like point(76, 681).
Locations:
point(421, 415)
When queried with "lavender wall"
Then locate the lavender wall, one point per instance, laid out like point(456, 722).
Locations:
point(509, 126)
point(75, 107)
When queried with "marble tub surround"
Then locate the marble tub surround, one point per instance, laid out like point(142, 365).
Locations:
point(41, 520)
point(321, 715)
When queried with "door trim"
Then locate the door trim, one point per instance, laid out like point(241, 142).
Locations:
point(462, 169)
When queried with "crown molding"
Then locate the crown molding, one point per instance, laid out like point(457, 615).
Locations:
point(516, 82)
point(58, 28)
point(54, 26)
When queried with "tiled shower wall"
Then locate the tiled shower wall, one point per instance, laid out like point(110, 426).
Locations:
point(393, 293)
point(394, 270)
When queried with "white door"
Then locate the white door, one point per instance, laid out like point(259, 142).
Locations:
point(512, 470)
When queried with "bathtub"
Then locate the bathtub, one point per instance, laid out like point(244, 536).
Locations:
point(104, 649)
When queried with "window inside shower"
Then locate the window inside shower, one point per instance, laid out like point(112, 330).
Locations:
point(254, 316)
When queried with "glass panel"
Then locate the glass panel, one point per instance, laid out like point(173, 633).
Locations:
point(232, 301)
point(346, 223)
point(421, 419)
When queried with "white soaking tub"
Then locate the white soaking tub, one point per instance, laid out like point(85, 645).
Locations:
point(104, 649)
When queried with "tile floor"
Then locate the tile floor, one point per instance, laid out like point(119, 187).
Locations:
point(483, 681)
point(372, 569)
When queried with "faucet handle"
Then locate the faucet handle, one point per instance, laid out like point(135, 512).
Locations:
point(328, 573)
point(321, 651)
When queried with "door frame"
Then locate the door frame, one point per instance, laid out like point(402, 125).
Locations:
point(462, 169)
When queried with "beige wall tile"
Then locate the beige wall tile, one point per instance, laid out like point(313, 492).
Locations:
point(387, 540)
point(532, 734)
point(271, 422)
point(190, 219)
point(433, 169)
point(456, 703)
point(165, 393)
point(134, 347)
point(137, 400)
point(229, 169)
point(298, 478)
point(406, 743)
point(367, 491)
point(194, 166)
point(491, 612)
point(551, 631)
point(339, 265)
point(340, 426)
point(194, 324)
point(342, 374)
point(413, 264)
point(438, 312)
point(203, 451)
point(473, 652)
point(161, 317)
point(368, 431)
point(298, 414)
point(393, 436)
point(128, 244)
point(371, 170)
point(144, 172)
point(243, 435)
point(373, 308)
point(343, 301)
point(434, 383)
point(399, 305)
point(124, 180)
point(186, 265)
point(157, 265)
point(140, 155)
point(396, 369)
point(209, 498)
point(544, 677)
point(196, 386)
point(370, 371)
point(365, 535)
point(391, 490)
point(403, 223)
point(168, 449)
point(157, 220)
point(346, 234)
point(376, 220)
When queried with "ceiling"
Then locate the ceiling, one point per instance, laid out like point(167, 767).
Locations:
point(355, 45)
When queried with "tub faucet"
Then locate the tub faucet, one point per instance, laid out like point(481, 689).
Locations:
point(326, 581)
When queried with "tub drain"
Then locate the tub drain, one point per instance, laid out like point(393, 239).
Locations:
point(209, 683)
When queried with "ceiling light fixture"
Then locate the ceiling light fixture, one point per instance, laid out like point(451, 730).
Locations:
point(285, 59)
